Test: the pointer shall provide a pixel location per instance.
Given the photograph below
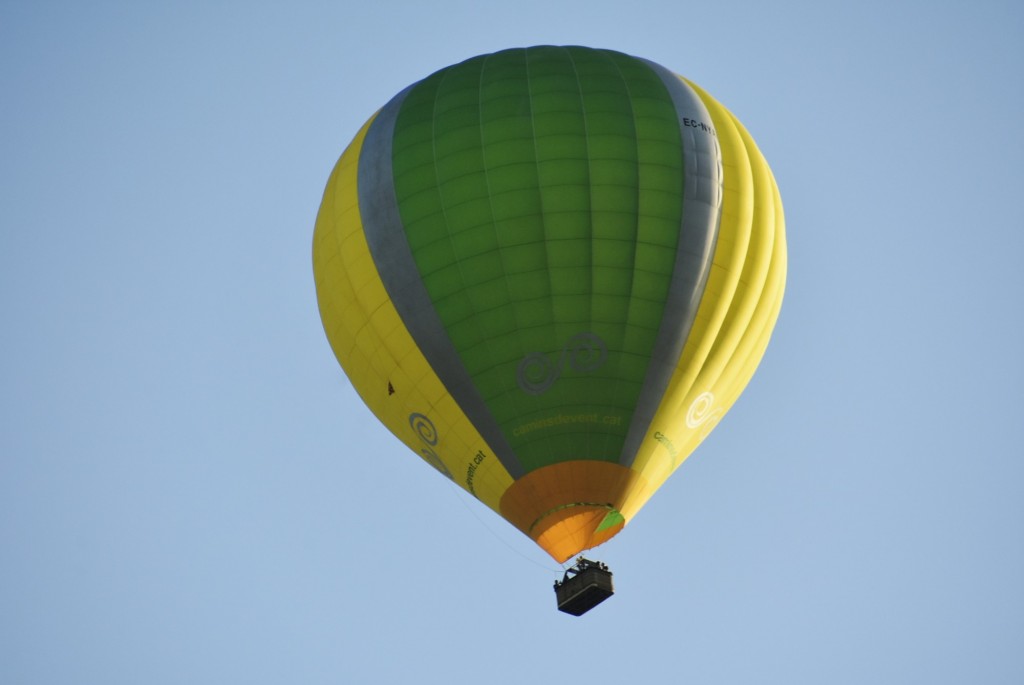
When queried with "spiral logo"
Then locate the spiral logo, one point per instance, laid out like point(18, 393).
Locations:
point(431, 458)
point(424, 428)
point(426, 431)
point(700, 410)
point(703, 414)
point(583, 353)
point(537, 373)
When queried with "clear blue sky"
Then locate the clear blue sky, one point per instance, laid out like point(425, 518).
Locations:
point(179, 498)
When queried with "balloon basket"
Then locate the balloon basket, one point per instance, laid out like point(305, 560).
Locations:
point(584, 586)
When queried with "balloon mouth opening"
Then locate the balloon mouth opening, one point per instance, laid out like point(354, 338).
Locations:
point(569, 529)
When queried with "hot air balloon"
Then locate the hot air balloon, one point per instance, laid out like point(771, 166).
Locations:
point(550, 272)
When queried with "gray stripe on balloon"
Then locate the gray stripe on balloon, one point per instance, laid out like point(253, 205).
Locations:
point(385, 235)
point(698, 233)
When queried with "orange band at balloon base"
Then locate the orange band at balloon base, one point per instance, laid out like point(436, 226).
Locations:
point(571, 506)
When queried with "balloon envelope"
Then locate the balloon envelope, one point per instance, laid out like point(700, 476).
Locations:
point(550, 272)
